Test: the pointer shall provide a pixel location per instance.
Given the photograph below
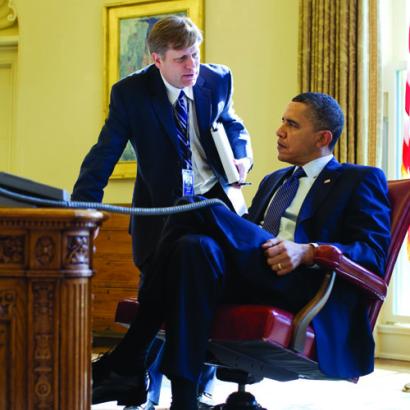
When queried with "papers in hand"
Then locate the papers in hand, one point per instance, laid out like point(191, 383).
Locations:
point(225, 152)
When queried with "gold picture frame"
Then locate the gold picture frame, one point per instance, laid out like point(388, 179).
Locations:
point(126, 27)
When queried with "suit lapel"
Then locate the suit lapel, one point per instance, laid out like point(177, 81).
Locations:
point(319, 190)
point(163, 108)
point(203, 107)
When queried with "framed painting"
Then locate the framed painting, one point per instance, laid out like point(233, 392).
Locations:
point(127, 25)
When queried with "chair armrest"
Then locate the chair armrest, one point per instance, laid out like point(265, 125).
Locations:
point(331, 257)
point(302, 319)
point(333, 260)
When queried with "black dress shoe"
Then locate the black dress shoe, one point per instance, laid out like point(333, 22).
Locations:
point(101, 367)
point(149, 405)
point(126, 390)
point(108, 385)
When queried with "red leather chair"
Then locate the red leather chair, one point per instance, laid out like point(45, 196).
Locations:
point(249, 343)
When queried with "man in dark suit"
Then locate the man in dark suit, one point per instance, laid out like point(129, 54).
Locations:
point(213, 256)
point(143, 111)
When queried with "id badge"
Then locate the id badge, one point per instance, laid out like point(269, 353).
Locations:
point(187, 182)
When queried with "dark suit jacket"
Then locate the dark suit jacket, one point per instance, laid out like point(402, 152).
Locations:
point(348, 207)
point(141, 113)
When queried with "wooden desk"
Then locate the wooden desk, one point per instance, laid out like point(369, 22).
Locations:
point(45, 309)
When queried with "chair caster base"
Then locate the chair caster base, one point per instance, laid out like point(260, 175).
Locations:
point(240, 400)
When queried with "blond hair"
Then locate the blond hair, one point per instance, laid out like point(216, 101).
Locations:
point(175, 32)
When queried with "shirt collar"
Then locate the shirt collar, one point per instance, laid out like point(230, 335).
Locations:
point(315, 167)
point(173, 92)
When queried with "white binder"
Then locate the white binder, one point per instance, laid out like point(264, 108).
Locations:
point(225, 152)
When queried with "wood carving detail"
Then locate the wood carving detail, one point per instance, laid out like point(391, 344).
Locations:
point(3, 337)
point(7, 303)
point(45, 250)
point(44, 333)
point(77, 250)
point(6, 360)
point(11, 249)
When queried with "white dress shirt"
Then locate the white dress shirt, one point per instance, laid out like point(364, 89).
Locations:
point(204, 178)
point(288, 221)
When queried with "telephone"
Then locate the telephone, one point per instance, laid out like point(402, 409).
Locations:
point(30, 188)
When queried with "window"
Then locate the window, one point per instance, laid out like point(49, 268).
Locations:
point(395, 59)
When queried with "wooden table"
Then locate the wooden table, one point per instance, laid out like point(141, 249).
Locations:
point(45, 308)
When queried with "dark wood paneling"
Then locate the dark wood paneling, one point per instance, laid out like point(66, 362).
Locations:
point(115, 276)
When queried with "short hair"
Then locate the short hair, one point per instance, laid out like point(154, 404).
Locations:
point(177, 32)
point(326, 113)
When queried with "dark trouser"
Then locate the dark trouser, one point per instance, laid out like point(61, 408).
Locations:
point(204, 258)
point(155, 356)
point(132, 350)
point(154, 360)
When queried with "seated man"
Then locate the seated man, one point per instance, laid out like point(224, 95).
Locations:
point(212, 256)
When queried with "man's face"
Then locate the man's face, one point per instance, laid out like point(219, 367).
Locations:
point(179, 67)
point(298, 142)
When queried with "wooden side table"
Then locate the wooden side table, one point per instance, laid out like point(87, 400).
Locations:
point(45, 308)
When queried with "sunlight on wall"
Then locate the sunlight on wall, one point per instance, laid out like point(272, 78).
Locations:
point(60, 80)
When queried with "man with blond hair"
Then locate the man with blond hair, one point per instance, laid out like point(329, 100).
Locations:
point(166, 111)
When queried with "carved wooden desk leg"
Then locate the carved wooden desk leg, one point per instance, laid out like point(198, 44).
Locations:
point(45, 318)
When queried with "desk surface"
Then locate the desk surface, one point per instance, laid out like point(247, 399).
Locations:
point(51, 214)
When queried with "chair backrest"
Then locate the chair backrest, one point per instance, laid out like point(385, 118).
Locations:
point(399, 194)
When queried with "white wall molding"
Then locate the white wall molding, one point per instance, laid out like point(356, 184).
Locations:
point(393, 341)
point(6, 41)
point(8, 85)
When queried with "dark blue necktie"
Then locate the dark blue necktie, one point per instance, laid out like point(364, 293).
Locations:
point(281, 201)
point(181, 119)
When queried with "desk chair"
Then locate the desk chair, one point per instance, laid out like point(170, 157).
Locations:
point(248, 343)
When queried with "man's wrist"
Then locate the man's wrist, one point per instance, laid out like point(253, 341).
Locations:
point(310, 253)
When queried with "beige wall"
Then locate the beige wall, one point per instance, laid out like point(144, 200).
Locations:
point(258, 40)
point(60, 80)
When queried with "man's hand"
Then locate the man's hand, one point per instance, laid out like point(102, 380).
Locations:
point(285, 256)
point(242, 165)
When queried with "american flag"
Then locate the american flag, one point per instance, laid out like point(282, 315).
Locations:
point(405, 168)
point(406, 136)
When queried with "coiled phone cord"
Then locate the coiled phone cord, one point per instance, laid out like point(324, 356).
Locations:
point(169, 210)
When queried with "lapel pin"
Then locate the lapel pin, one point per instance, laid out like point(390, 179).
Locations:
point(326, 181)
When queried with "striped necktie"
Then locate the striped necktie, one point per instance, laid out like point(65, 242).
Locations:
point(281, 201)
point(181, 119)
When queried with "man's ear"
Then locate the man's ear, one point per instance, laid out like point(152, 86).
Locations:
point(156, 58)
point(325, 138)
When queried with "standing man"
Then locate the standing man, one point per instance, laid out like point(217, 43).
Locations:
point(166, 111)
point(212, 256)
point(175, 152)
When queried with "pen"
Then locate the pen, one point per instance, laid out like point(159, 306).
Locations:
point(241, 183)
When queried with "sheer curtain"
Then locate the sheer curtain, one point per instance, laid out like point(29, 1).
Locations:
point(339, 55)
